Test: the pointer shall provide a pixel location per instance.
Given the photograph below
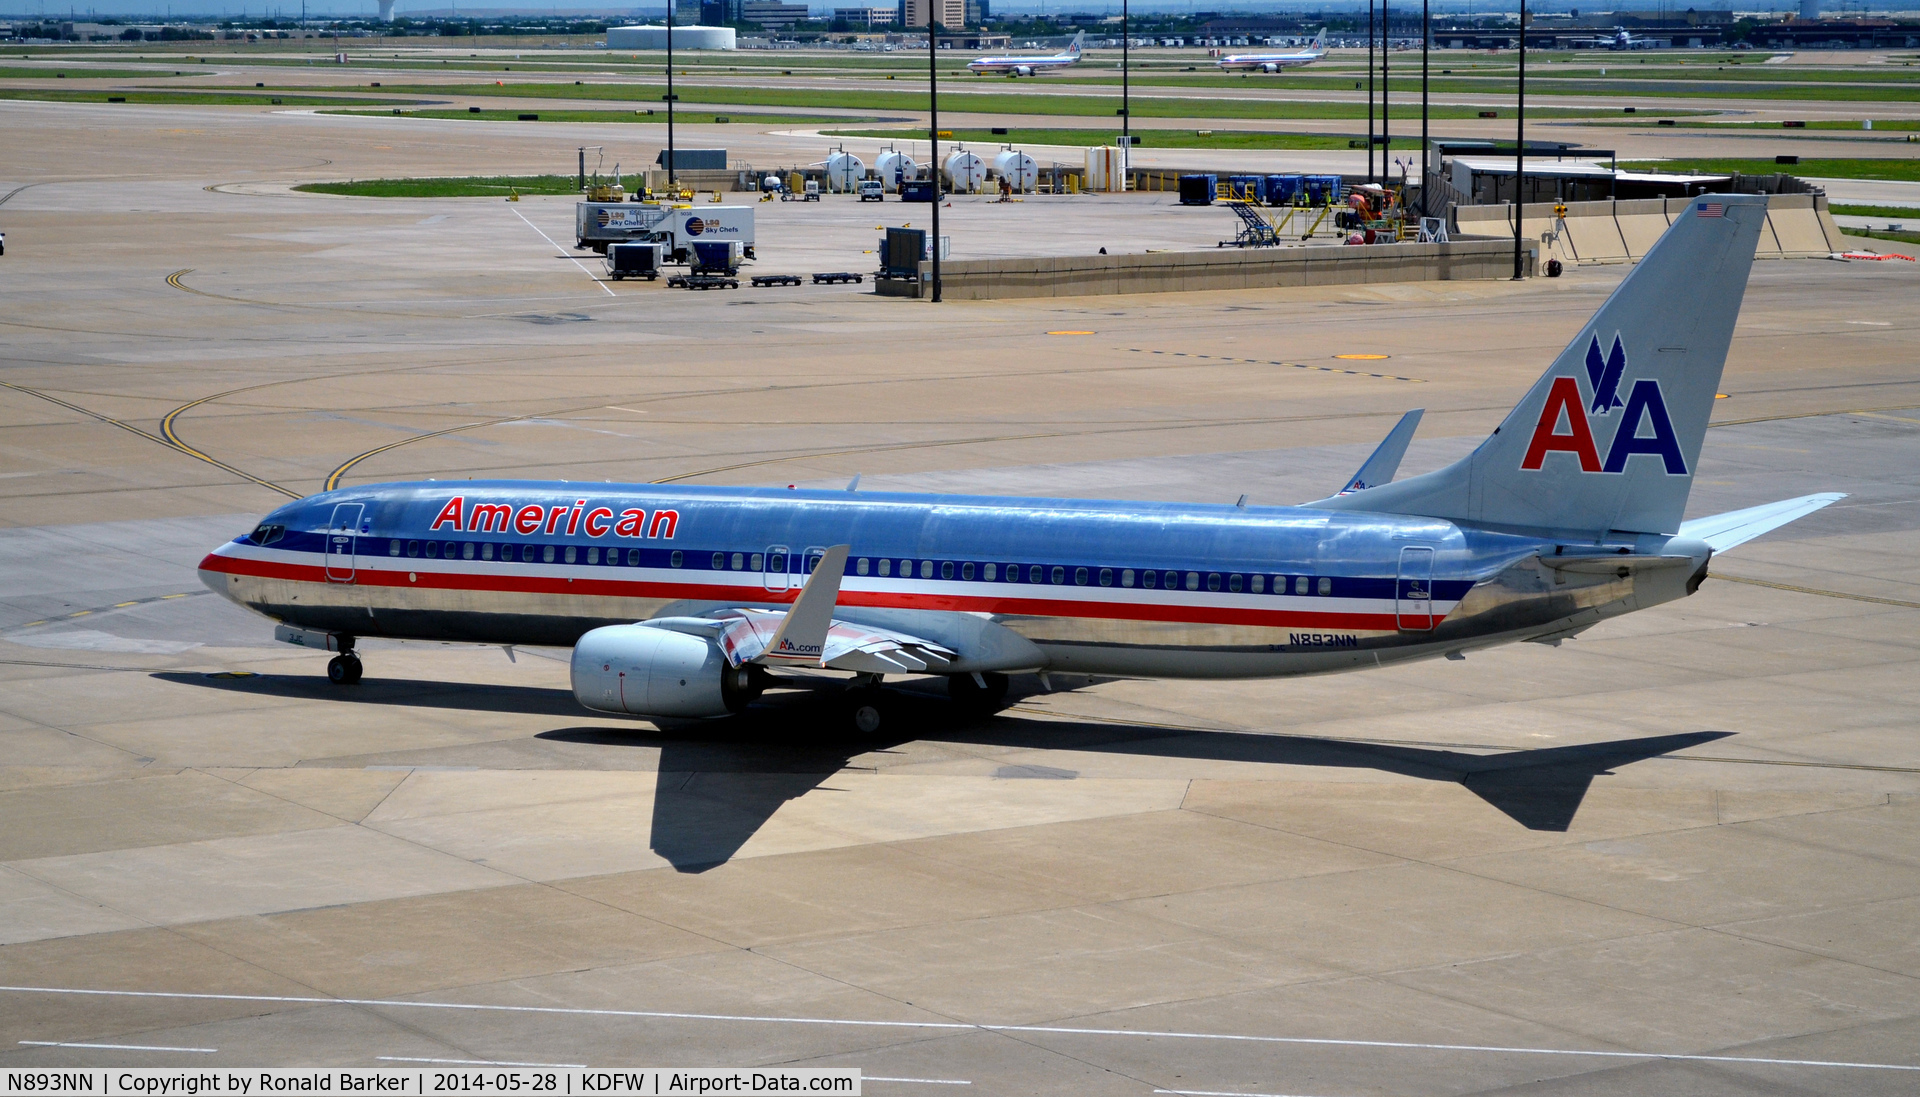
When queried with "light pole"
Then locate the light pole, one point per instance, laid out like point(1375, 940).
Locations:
point(1426, 149)
point(1520, 146)
point(1386, 114)
point(672, 179)
point(933, 136)
point(1371, 177)
point(1126, 104)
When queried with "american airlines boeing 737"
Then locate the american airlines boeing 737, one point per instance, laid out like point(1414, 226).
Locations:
point(1274, 62)
point(1027, 66)
point(677, 600)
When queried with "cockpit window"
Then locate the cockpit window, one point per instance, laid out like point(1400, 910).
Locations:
point(267, 534)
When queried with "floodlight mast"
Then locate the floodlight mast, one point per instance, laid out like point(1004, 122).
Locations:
point(672, 178)
point(933, 134)
point(1520, 147)
point(1126, 102)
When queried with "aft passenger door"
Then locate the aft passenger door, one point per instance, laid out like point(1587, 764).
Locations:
point(1413, 592)
point(342, 534)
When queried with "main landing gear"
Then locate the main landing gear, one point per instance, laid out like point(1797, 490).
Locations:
point(864, 709)
point(344, 668)
point(977, 694)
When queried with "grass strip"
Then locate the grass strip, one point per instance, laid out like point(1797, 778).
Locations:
point(1149, 138)
point(1876, 234)
point(193, 98)
point(1903, 170)
point(1843, 210)
point(967, 102)
point(1774, 129)
point(462, 186)
point(658, 116)
point(80, 72)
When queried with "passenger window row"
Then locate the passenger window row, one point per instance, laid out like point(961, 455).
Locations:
point(1061, 575)
point(886, 567)
point(545, 554)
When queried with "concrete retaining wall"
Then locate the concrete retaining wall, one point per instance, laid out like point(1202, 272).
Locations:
point(1798, 227)
point(1250, 268)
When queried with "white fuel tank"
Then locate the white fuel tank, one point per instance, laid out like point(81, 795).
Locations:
point(894, 166)
point(1018, 169)
point(965, 172)
point(844, 172)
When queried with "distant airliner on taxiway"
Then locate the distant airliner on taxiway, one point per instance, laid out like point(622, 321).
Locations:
point(1274, 62)
point(1027, 66)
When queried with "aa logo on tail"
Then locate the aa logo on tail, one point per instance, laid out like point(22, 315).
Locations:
point(1642, 427)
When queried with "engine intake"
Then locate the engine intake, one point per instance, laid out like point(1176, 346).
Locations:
point(641, 671)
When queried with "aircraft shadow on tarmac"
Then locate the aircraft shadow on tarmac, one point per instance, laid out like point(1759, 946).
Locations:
point(715, 791)
point(720, 781)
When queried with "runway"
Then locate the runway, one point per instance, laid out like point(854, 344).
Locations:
point(1678, 854)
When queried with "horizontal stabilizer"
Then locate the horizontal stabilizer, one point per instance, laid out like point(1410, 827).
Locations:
point(1380, 467)
point(1737, 527)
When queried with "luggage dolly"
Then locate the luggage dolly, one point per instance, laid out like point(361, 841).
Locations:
point(830, 278)
point(702, 281)
point(763, 280)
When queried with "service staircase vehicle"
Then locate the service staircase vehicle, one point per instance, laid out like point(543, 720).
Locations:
point(1254, 231)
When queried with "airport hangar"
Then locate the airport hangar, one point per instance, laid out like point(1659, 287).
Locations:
point(1676, 843)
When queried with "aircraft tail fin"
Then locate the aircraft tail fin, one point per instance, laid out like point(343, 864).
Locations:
point(1073, 48)
point(1608, 438)
point(1385, 461)
point(1320, 41)
point(1737, 527)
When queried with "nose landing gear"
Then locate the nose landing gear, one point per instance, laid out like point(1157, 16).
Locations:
point(343, 670)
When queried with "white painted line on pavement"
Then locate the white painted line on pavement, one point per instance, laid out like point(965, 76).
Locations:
point(117, 1047)
point(563, 253)
point(1055, 1030)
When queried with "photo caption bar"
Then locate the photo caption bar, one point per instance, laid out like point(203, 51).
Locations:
point(477, 1080)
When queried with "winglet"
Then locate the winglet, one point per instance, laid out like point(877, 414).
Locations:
point(1380, 467)
point(802, 637)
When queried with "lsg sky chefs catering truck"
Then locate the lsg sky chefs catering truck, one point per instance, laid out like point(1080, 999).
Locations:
point(597, 224)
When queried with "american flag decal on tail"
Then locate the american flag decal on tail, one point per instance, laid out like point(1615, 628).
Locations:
point(1710, 209)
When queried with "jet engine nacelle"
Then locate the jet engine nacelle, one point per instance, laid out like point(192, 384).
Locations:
point(1023, 70)
point(1269, 67)
point(641, 671)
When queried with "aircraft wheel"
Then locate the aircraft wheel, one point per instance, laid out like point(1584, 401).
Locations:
point(343, 670)
point(864, 714)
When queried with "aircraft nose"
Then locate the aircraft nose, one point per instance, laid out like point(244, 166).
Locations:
point(214, 574)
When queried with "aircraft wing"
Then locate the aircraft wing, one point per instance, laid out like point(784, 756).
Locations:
point(1737, 527)
point(807, 634)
